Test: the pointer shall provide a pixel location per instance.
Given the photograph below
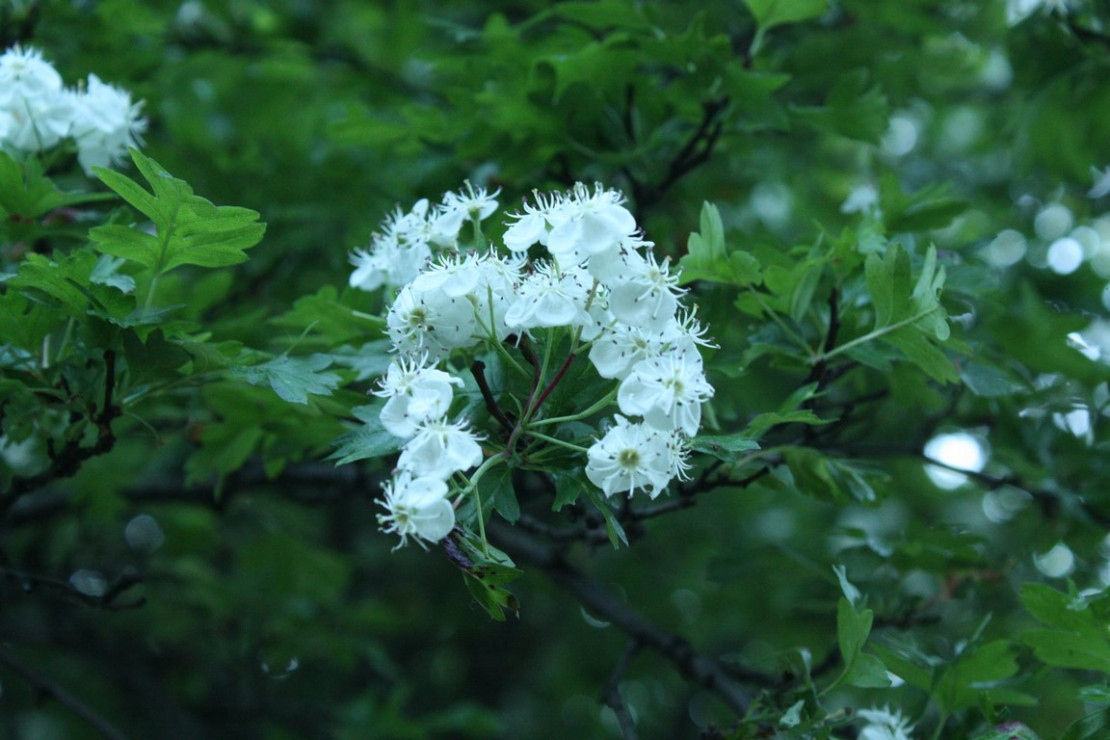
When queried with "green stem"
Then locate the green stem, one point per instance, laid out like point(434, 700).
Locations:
point(556, 441)
point(65, 340)
point(605, 401)
point(797, 338)
point(940, 726)
point(377, 320)
point(874, 334)
point(472, 488)
point(479, 237)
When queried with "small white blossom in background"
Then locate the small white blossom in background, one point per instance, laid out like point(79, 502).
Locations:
point(884, 724)
point(1019, 10)
point(575, 269)
point(863, 199)
point(1102, 182)
point(38, 113)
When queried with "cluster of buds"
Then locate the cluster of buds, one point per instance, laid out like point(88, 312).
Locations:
point(575, 277)
point(37, 112)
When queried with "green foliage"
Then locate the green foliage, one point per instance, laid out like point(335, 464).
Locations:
point(872, 246)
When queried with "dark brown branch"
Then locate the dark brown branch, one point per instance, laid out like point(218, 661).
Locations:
point(107, 600)
point(612, 693)
point(554, 381)
point(66, 462)
point(478, 370)
point(694, 667)
point(62, 696)
point(698, 147)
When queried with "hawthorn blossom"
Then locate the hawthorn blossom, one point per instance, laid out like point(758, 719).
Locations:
point(531, 226)
point(495, 292)
point(551, 297)
point(440, 448)
point(884, 724)
point(36, 112)
point(471, 203)
point(630, 456)
point(667, 391)
point(588, 224)
point(416, 506)
point(647, 296)
point(387, 262)
point(430, 321)
point(105, 124)
point(417, 393)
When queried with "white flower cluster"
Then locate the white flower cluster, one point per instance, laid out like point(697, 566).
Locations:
point(37, 112)
point(596, 278)
point(884, 724)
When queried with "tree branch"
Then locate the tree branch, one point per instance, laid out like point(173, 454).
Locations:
point(62, 696)
point(612, 693)
point(66, 462)
point(695, 667)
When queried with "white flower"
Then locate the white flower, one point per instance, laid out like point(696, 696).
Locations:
point(388, 261)
point(647, 295)
point(105, 124)
point(417, 506)
point(417, 393)
point(588, 223)
point(1019, 10)
point(37, 110)
point(469, 203)
point(440, 448)
point(667, 391)
point(884, 724)
point(495, 292)
point(1102, 182)
point(551, 297)
point(628, 457)
point(532, 225)
point(863, 199)
point(621, 346)
point(430, 321)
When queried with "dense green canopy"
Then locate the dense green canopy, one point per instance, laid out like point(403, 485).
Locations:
point(890, 219)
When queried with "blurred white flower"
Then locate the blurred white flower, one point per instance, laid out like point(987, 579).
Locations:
point(884, 724)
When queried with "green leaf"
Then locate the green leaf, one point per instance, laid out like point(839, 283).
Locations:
point(26, 194)
point(486, 570)
point(787, 413)
point(726, 447)
point(1068, 650)
point(369, 440)
point(771, 13)
point(613, 526)
point(568, 487)
point(868, 672)
point(1009, 731)
point(371, 360)
point(852, 109)
point(504, 495)
point(293, 378)
point(708, 258)
point(1091, 727)
point(852, 629)
point(189, 229)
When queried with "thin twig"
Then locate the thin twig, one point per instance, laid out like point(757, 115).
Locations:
point(62, 696)
point(612, 693)
point(66, 462)
point(695, 667)
point(478, 370)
